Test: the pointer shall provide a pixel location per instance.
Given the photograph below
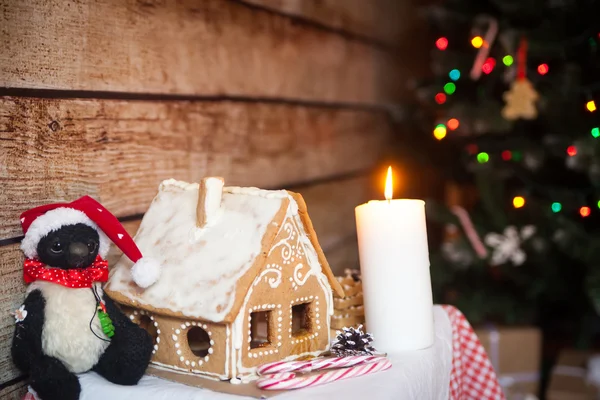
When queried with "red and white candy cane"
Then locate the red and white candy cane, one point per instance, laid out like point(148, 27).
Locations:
point(283, 375)
point(324, 377)
point(314, 364)
point(470, 231)
point(484, 50)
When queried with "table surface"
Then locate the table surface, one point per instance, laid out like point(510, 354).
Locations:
point(423, 375)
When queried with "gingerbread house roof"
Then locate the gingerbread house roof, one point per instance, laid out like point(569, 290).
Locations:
point(208, 271)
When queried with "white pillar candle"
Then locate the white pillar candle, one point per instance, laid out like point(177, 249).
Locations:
point(394, 264)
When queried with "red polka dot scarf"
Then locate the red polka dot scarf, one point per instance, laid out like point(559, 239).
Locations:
point(34, 270)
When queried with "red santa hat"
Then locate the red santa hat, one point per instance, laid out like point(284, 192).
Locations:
point(40, 221)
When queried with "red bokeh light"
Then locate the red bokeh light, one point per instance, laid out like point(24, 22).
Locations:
point(440, 98)
point(488, 65)
point(442, 43)
point(543, 69)
point(585, 211)
point(506, 155)
point(571, 151)
point(453, 124)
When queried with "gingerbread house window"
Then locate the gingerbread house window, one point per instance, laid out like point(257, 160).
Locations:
point(260, 327)
point(199, 341)
point(301, 324)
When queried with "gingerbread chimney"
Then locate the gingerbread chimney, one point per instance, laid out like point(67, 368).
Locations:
point(210, 192)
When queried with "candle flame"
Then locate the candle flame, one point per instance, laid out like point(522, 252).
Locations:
point(389, 187)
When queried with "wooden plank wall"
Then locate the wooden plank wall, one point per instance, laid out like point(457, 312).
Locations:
point(110, 97)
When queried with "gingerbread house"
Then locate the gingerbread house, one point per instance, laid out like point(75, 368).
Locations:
point(244, 281)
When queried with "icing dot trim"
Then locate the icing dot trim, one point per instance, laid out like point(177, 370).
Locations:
point(196, 360)
point(270, 348)
point(313, 304)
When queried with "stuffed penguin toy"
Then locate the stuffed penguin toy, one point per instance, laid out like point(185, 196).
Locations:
point(67, 325)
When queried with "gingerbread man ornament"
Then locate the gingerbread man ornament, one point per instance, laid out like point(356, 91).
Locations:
point(521, 98)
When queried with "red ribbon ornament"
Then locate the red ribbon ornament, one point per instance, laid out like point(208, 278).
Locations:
point(522, 59)
point(34, 270)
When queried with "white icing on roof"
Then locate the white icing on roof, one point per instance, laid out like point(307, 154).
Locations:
point(200, 266)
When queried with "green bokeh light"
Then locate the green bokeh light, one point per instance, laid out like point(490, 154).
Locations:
point(483, 157)
point(449, 88)
point(556, 207)
point(507, 60)
point(517, 155)
point(595, 132)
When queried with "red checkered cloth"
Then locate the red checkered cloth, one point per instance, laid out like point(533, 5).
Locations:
point(473, 376)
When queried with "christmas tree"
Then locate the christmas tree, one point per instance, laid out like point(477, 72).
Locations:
point(510, 117)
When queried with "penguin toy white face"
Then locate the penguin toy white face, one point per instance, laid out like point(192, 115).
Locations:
point(67, 325)
point(71, 246)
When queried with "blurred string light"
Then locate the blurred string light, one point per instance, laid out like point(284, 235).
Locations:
point(454, 74)
point(477, 42)
point(488, 65)
point(449, 88)
point(518, 201)
point(516, 156)
point(441, 43)
point(508, 60)
point(483, 157)
point(556, 207)
point(591, 106)
point(439, 132)
point(598, 204)
point(572, 151)
point(595, 132)
point(543, 69)
point(585, 211)
point(506, 155)
point(453, 124)
point(440, 98)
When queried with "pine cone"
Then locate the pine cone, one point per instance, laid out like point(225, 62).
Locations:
point(352, 342)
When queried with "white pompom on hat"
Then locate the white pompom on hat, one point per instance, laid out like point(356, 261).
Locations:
point(39, 221)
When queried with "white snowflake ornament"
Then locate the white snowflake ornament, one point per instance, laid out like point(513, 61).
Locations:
point(507, 246)
point(20, 314)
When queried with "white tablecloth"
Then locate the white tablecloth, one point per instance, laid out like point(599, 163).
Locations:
point(421, 375)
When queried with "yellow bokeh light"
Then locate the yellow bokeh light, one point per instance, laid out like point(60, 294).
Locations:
point(439, 132)
point(518, 201)
point(477, 42)
point(591, 106)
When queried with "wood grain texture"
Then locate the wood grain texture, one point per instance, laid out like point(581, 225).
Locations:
point(119, 151)
point(12, 294)
point(14, 392)
point(188, 47)
point(384, 20)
